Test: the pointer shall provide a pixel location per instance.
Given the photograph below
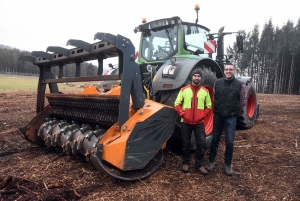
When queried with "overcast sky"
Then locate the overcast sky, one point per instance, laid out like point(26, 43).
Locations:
point(33, 25)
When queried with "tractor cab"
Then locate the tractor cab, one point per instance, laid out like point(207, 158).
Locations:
point(164, 38)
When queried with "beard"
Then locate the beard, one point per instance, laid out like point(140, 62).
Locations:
point(196, 82)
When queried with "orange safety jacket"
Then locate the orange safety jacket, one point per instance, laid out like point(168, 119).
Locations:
point(193, 104)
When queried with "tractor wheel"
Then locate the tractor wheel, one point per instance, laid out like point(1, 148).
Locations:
point(250, 110)
point(168, 97)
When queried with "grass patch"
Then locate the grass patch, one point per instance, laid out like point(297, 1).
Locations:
point(17, 82)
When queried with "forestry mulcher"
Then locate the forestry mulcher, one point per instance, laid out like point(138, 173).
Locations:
point(124, 131)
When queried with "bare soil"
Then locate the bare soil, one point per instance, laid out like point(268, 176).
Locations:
point(266, 162)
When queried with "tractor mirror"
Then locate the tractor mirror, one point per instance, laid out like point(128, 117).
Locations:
point(221, 30)
point(239, 44)
point(198, 51)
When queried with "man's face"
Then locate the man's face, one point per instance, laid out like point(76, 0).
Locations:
point(229, 71)
point(196, 79)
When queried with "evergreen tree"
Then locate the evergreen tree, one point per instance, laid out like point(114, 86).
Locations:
point(266, 55)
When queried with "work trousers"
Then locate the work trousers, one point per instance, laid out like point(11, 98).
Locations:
point(200, 137)
point(229, 125)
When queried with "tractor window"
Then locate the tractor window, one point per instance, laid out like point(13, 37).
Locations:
point(195, 38)
point(159, 44)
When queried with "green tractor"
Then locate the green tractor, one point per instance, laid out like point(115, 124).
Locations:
point(170, 49)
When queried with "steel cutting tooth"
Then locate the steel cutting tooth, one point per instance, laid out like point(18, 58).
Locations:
point(66, 139)
point(57, 141)
point(64, 135)
point(56, 133)
point(90, 141)
point(68, 148)
point(72, 140)
point(79, 145)
point(42, 132)
point(78, 137)
point(46, 127)
point(47, 139)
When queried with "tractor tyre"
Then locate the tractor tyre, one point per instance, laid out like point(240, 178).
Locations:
point(251, 109)
point(168, 97)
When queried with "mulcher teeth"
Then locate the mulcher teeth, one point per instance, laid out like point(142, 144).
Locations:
point(71, 138)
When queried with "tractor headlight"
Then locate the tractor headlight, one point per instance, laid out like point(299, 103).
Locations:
point(169, 71)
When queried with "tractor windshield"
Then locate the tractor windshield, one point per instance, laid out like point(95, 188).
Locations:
point(159, 44)
point(195, 37)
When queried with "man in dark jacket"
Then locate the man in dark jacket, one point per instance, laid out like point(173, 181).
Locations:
point(193, 104)
point(229, 100)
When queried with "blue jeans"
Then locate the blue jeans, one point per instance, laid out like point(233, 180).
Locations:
point(200, 137)
point(229, 124)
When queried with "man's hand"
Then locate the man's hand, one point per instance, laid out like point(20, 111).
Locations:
point(182, 113)
point(206, 111)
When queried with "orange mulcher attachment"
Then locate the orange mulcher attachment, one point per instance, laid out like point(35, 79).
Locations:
point(120, 132)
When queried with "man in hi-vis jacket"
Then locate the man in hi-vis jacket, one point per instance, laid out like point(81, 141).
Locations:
point(193, 104)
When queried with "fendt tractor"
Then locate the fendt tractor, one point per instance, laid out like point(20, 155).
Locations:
point(124, 131)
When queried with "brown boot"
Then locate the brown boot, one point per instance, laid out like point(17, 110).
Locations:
point(185, 168)
point(202, 170)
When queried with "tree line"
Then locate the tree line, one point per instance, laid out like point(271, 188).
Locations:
point(10, 64)
point(271, 58)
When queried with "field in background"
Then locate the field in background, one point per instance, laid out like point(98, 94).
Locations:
point(20, 82)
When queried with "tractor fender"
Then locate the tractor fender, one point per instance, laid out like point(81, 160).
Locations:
point(172, 76)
